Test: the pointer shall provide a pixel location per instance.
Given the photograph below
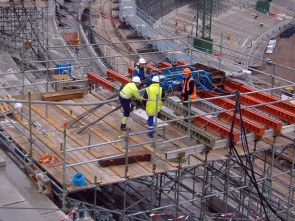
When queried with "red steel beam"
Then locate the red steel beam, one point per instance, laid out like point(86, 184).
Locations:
point(130, 70)
point(261, 96)
point(217, 127)
point(100, 81)
point(166, 65)
point(249, 113)
point(118, 77)
point(268, 108)
point(180, 62)
point(250, 126)
point(151, 69)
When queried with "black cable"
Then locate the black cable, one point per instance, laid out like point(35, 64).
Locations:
point(248, 160)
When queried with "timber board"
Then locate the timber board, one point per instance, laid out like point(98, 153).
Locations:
point(23, 142)
point(103, 175)
point(136, 127)
point(106, 137)
point(114, 120)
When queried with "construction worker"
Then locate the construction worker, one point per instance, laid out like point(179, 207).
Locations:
point(126, 94)
point(228, 36)
point(184, 27)
point(175, 30)
point(150, 101)
point(176, 21)
point(141, 70)
point(189, 87)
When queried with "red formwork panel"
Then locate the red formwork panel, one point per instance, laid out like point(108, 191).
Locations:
point(180, 62)
point(166, 65)
point(100, 81)
point(118, 77)
point(268, 108)
point(250, 126)
point(217, 127)
point(261, 96)
point(151, 69)
point(130, 70)
point(249, 113)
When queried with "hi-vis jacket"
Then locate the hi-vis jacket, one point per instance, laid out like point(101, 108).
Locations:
point(140, 72)
point(130, 90)
point(189, 88)
point(150, 97)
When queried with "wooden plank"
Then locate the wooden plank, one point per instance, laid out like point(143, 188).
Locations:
point(22, 142)
point(38, 96)
point(61, 96)
point(90, 170)
point(133, 157)
point(139, 170)
point(8, 96)
point(5, 106)
point(115, 123)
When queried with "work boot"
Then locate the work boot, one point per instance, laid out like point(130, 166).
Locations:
point(123, 128)
point(150, 135)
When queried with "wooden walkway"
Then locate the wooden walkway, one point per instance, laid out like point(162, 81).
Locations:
point(105, 131)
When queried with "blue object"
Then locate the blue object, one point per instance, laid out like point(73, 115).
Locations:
point(65, 69)
point(78, 179)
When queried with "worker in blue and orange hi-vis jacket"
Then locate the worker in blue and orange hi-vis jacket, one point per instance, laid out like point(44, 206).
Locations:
point(126, 94)
point(189, 87)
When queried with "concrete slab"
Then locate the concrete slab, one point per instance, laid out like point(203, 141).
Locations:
point(54, 216)
point(2, 159)
point(8, 194)
point(20, 214)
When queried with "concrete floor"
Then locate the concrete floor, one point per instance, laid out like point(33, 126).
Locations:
point(19, 195)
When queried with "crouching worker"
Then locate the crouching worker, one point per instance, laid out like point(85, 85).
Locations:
point(150, 100)
point(126, 94)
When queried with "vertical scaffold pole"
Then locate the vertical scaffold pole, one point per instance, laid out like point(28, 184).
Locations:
point(155, 148)
point(30, 123)
point(202, 216)
point(291, 183)
point(126, 174)
point(189, 128)
point(64, 166)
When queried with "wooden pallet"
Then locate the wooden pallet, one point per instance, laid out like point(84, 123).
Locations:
point(5, 107)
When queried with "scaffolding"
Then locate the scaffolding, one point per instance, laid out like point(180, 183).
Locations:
point(211, 189)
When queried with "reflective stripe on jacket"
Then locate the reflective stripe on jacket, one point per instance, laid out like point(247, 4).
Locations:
point(130, 90)
point(193, 96)
point(152, 92)
point(137, 72)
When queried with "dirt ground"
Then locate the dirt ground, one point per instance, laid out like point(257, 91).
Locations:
point(284, 54)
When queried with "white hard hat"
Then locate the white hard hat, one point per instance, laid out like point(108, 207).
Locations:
point(156, 79)
point(136, 79)
point(141, 61)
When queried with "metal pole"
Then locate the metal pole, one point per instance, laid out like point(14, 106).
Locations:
point(189, 128)
point(155, 147)
point(226, 186)
point(202, 216)
point(271, 169)
point(95, 195)
point(126, 175)
point(64, 166)
point(273, 71)
point(220, 51)
point(23, 69)
point(291, 183)
point(30, 124)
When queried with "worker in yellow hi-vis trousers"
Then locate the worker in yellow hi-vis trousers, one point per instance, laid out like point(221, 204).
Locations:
point(126, 94)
